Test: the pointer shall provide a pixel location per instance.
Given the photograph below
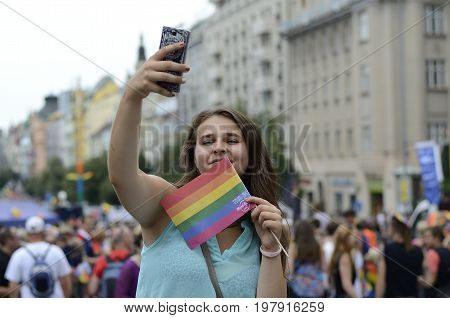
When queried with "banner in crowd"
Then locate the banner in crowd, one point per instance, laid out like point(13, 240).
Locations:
point(430, 164)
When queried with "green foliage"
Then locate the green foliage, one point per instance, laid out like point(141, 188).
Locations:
point(7, 175)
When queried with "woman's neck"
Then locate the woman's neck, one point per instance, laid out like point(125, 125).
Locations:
point(227, 237)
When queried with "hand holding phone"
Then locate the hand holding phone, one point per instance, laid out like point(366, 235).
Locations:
point(170, 36)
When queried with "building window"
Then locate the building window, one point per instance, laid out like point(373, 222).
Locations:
point(267, 98)
point(347, 35)
point(327, 141)
point(363, 26)
point(317, 142)
point(334, 39)
point(434, 23)
point(348, 84)
point(265, 39)
point(364, 79)
point(338, 141)
point(336, 88)
point(436, 74)
point(325, 92)
point(266, 68)
point(350, 140)
point(437, 132)
point(366, 138)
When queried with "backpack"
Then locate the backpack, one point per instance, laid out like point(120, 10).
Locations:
point(308, 281)
point(110, 276)
point(41, 281)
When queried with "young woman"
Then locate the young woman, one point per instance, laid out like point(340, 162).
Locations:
point(341, 270)
point(168, 267)
point(401, 265)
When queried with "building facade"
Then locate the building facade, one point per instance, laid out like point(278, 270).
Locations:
point(237, 58)
point(371, 78)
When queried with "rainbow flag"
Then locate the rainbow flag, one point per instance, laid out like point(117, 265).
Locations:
point(208, 204)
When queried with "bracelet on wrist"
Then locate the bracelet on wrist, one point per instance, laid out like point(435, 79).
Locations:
point(270, 254)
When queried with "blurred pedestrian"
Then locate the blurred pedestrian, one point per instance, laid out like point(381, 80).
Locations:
point(8, 244)
point(84, 233)
point(328, 243)
point(39, 269)
point(350, 218)
point(308, 278)
point(107, 268)
point(126, 284)
point(436, 279)
point(402, 263)
point(341, 270)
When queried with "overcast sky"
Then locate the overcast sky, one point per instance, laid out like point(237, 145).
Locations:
point(33, 64)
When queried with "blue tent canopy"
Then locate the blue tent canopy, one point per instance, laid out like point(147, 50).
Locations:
point(15, 212)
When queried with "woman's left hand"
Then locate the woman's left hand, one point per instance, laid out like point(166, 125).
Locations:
point(266, 218)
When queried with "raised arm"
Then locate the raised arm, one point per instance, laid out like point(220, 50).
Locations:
point(138, 192)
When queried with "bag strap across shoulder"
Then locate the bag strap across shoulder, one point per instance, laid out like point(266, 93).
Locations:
point(39, 257)
point(211, 270)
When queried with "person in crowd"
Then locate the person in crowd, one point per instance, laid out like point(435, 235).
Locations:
point(107, 268)
point(328, 243)
point(418, 239)
point(402, 263)
point(127, 282)
point(446, 242)
point(235, 252)
point(84, 233)
point(8, 244)
point(321, 217)
point(341, 270)
point(369, 244)
point(308, 278)
point(358, 261)
point(350, 218)
point(436, 279)
point(81, 270)
point(38, 269)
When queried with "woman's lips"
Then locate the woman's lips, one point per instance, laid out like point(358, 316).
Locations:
point(217, 160)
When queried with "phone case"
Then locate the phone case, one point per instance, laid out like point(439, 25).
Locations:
point(170, 36)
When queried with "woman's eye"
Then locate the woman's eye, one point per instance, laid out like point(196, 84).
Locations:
point(206, 142)
point(233, 141)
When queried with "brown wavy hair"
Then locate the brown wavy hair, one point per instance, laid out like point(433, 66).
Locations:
point(259, 177)
point(342, 245)
point(308, 249)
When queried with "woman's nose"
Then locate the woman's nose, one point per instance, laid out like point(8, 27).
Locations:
point(219, 147)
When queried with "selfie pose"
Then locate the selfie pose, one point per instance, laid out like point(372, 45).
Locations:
point(246, 258)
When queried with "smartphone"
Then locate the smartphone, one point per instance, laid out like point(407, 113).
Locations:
point(168, 37)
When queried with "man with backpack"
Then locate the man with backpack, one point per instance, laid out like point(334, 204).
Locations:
point(107, 268)
point(38, 269)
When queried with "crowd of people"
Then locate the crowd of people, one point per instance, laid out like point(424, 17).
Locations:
point(359, 258)
point(328, 258)
point(80, 258)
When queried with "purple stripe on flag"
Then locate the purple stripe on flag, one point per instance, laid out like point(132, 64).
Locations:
point(210, 219)
point(214, 229)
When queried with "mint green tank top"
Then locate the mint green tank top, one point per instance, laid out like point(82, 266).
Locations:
point(169, 269)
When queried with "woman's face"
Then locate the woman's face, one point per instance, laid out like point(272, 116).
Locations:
point(219, 137)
